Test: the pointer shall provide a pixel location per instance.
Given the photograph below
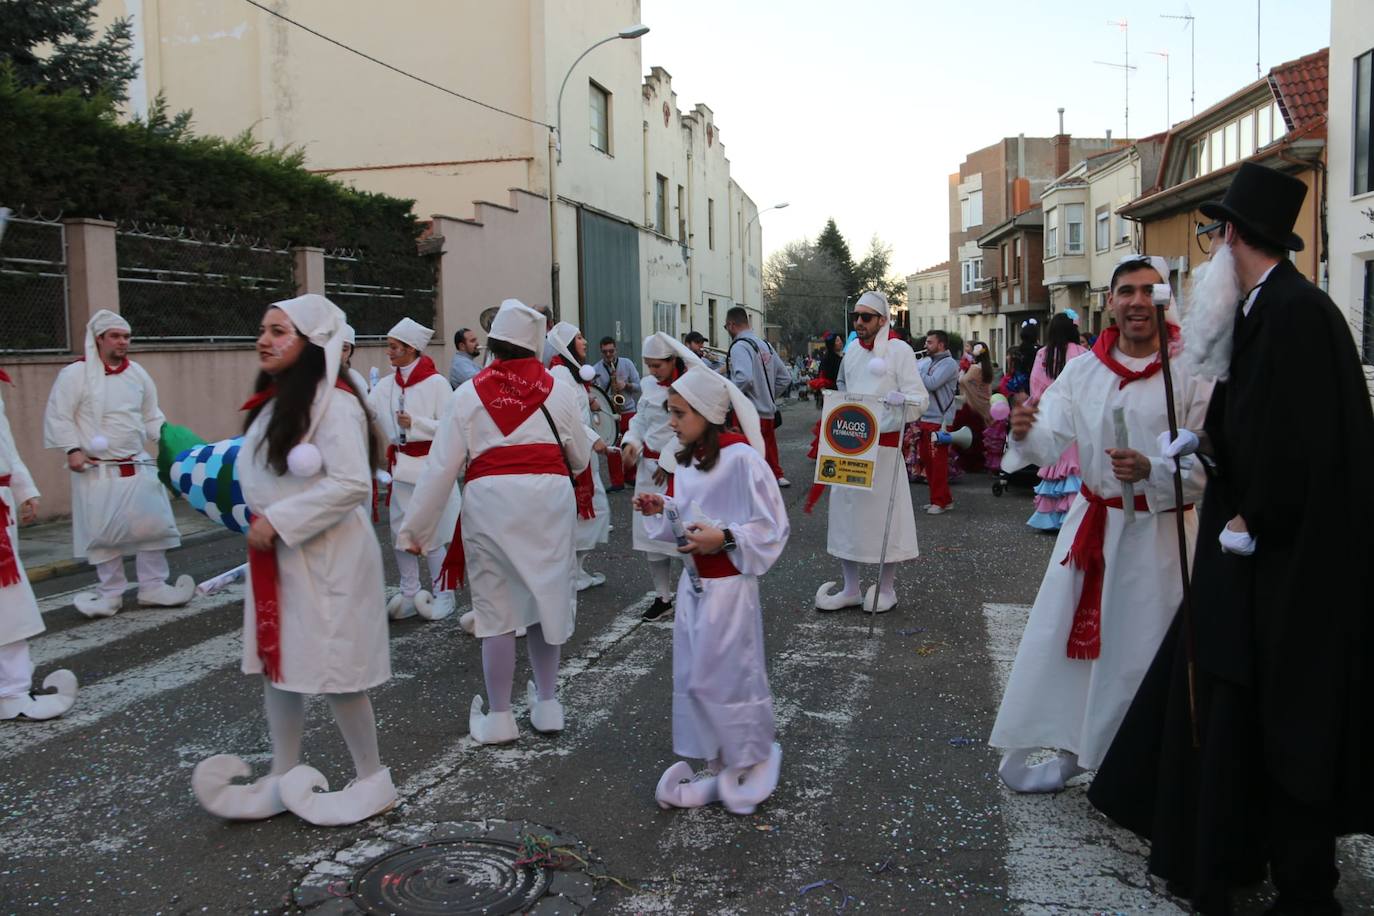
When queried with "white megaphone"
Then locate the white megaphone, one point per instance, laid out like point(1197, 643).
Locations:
point(960, 438)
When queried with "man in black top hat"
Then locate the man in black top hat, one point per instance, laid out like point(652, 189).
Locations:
point(1282, 610)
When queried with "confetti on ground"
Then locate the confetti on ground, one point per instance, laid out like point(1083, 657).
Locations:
point(911, 631)
point(927, 648)
point(845, 899)
point(960, 742)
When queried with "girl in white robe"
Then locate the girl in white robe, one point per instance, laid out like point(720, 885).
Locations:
point(313, 620)
point(514, 435)
point(19, 616)
point(643, 443)
point(736, 528)
point(567, 364)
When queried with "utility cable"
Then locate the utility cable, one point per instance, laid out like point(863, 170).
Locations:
point(382, 63)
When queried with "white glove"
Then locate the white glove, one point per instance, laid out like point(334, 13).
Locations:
point(1239, 543)
point(1185, 443)
point(894, 398)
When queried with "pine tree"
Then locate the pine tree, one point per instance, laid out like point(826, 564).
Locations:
point(52, 44)
point(833, 244)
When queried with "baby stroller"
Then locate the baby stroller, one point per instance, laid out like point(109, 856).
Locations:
point(995, 439)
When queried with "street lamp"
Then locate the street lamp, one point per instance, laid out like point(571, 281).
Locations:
point(556, 156)
point(744, 277)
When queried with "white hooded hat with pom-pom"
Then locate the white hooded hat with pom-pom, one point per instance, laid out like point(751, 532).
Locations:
point(560, 338)
point(323, 324)
point(876, 303)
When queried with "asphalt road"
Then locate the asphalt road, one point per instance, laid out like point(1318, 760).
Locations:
point(888, 792)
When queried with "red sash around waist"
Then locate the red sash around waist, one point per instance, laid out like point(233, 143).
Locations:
point(413, 449)
point(890, 440)
point(9, 564)
point(127, 469)
point(715, 565)
point(651, 454)
point(1086, 553)
point(813, 496)
point(534, 458)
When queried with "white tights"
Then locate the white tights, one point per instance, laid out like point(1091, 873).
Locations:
point(887, 584)
point(498, 666)
point(660, 568)
point(352, 713)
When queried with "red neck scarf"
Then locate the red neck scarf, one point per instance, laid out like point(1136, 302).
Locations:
point(868, 344)
point(1106, 341)
point(5, 377)
point(424, 368)
point(572, 370)
point(676, 375)
point(108, 371)
point(511, 390)
point(262, 397)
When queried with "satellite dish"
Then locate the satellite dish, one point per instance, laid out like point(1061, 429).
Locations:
point(487, 317)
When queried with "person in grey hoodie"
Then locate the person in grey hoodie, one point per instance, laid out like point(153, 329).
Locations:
point(940, 373)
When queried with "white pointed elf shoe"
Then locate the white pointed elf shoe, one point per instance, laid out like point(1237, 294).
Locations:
point(355, 802)
point(168, 595)
point(1047, 776)
point(436, 608)
point(469, 623)
point(492, 728)
point(885, 602)
point(826, 600)
point(401, 606)
point(39, 706)
point(545, 715)
point(212, 781)
point(95, 605)
point(680, 787)
point(424, 604)
point(743, 789)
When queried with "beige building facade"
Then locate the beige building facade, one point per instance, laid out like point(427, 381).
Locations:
point(653, 233)
point(927, 301)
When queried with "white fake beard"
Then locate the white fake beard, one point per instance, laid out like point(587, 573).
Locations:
point(1209, 315)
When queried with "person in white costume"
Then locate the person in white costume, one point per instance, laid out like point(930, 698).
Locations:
point(515, 436)
point(1112, 586)
point(312, 620)
point(735, 529)
point(874, 363)
point(408, 404)
point(100, 412)
point(569, 364)
point(19, 617)
point(649, 434)
point(354, 376)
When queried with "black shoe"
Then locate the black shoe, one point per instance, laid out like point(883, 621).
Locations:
point(659, 610)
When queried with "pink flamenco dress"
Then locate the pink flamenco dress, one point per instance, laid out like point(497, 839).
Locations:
point(1059, 482)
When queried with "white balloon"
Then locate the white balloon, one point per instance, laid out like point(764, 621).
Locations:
point(877, 365)
point(304, 460)
point(586, 373)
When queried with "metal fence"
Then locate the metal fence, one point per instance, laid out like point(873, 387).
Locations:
point(33, 287)
point(377, 293)
point(174, 286)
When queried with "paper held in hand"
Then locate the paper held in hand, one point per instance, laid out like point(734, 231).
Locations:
point(847, 449)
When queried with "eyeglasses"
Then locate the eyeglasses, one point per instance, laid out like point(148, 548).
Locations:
point(1205, 231)
point(865, 317)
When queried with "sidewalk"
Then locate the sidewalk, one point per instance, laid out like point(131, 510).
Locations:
point(46, 548)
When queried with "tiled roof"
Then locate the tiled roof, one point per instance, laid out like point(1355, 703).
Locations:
point(1301, 88)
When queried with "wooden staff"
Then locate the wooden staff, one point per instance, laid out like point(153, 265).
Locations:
point(1161, 301)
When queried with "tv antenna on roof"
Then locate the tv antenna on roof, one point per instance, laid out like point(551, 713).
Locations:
point(1188, 23)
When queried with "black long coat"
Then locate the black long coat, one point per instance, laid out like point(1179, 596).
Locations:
point(1285, 638)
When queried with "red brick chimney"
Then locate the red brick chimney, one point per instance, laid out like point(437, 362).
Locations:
point(1061, 148)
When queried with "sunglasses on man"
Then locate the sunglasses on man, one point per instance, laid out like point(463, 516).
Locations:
point(865, 317)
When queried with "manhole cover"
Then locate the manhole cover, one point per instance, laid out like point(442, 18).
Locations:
point(450, 877)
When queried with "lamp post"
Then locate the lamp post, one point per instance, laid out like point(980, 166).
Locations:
point(743, 276)
point(556, 156)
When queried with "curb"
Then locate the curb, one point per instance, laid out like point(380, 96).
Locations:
point(53, 570)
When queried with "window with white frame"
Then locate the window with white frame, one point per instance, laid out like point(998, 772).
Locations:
point(1364, 134)
point(1016, 258)
point(1102, 235)
point(1368, 348)
point(661, 204)
point(600, 124)
point(1123, 230)
point(665, 317)
point(1073, 234)
point(971, 272)
point(1052, 232)
point(971, 210)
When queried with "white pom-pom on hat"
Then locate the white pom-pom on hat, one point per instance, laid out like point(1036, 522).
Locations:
point(383, 477)
point(99, 443)
point(304, 460)
point(586, 373)
point(877, 365)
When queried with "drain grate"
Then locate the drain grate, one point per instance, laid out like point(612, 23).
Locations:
point(450, 877)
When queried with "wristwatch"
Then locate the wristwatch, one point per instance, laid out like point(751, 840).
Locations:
point(728, 545)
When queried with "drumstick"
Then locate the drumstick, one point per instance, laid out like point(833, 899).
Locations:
point(1123, 441)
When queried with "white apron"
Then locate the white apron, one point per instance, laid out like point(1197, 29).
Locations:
point(1074, 704)
point(857, 517)
point(722, 704)
point(333, 612)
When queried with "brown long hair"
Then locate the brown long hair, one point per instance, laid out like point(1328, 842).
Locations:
point(706, 450)
point(295, 393)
